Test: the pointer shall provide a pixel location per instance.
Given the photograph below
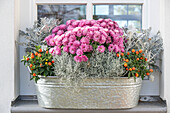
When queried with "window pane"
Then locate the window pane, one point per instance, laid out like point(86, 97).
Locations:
point(134, 23)
point(62, 12)
point(134, 9)
point(101, 10)
point(120, 9)
point(122, 23)
point(125, 15)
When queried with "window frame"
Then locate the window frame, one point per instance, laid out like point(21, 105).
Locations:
point(89, 7)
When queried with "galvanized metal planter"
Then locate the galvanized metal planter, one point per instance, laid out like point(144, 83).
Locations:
point(99, 93)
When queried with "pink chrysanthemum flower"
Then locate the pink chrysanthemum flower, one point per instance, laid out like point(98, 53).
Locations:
point(111, 23)
point(78, 34)
point(84, 47)
point(51, 42)
point(100, 20)
point(70, 44)
point(72, 49)
point(93, 22)
point(116, 48)
point(90, 35)
point(62, 27)
point(109, 40)
point(85, 40)
point(96, 38)
point(60, 32)
point(68, 22)
point(77, 58)
point(65, 41)
point(76, 43)
point(84, 32)
point(90, 48)
point(84, 58)
point(75, 23)
point(101, 49)
point(72, 38)
point(79, 52)
point(102, 39)
point(111, 47)
point(69, 28)
point(55, 30)
point(57, 50)
point(103, 24)
point(58, 43)
point(66, 49)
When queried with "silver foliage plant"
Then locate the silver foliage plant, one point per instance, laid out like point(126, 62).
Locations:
point(35, 36)
point(151, 45)
point(100, 65)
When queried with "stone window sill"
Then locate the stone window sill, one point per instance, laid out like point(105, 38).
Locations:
point(31, 106)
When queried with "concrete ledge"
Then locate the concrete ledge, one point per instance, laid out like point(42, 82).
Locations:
point(31, 106)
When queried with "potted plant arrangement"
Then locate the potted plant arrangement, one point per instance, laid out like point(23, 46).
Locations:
point(91, 64)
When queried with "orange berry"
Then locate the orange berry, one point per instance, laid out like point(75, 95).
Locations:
point(146, 59)
point(32, 56)
point(40, 65)
point(133, 50)
point(31, 65)
point(122, 54)
point(46, 52)
point(141, 57)
point(27, 59)
point(127, 69)
point(137, 59)
point(40, 50)
point(138, 70)
point(137, 52)
point(130, 69)
point(125, 65)
point(128, 53)
point(32, 69)
point(117, 54)
point(49, 63)
point(143, 54)
point(124, 59)
point(36, 53)
point(34, 74)
point(133, 68)
point(149, 39)
point(39, 55)
point(151, 70)
point(147, 74)
point(127, 60)
point(52, 61)
point(140, 51)
point(136, 74)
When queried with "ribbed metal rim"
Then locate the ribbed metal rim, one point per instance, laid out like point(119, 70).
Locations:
point(117, 81)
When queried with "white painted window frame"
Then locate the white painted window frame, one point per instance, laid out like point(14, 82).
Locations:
point(89, 7)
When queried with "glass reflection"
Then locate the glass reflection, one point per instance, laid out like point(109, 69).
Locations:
point(134, 9)
point(125, 15)
point(122, 23)
point(134, 23)
point(101, 10)
point(62, 12)
point(120, 9)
